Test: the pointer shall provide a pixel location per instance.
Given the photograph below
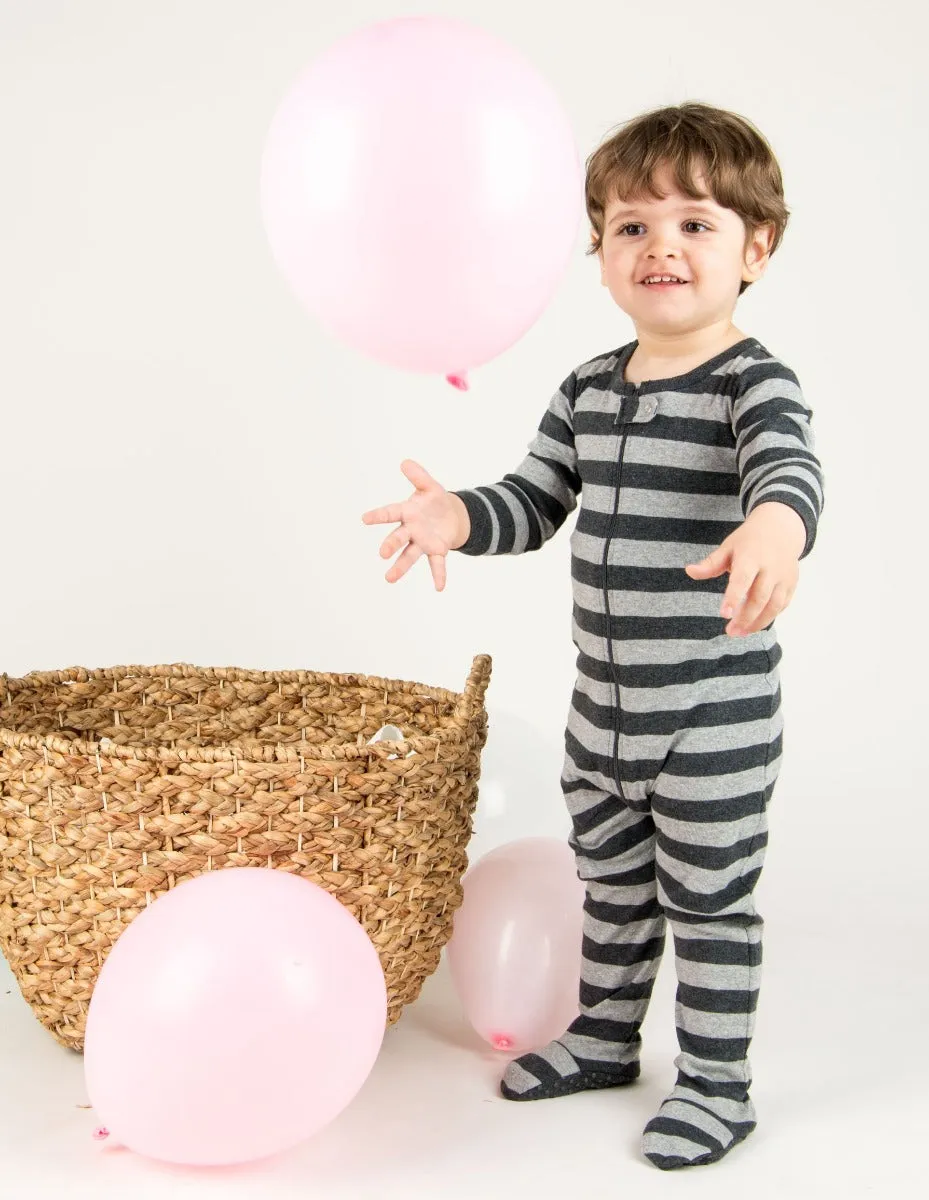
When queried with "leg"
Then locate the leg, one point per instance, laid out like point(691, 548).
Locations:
point(710, 812)
point(624, 931)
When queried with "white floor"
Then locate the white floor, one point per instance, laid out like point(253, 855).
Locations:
point(840, 1088)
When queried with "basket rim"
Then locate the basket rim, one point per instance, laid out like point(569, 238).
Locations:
point(466, 704)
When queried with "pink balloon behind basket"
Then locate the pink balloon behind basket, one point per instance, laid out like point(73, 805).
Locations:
point(515, 952)
point(234, 1017)
point(421, 191)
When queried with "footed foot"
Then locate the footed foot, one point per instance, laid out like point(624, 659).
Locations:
point(693, 1128)
point(554, 1071)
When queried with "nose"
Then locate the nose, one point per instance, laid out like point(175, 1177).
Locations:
point(661, 243)
point(662, 248)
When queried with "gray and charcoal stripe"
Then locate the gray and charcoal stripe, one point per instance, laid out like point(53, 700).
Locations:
point(673, 741)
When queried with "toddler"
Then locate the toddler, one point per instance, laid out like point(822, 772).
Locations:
point(692, 453)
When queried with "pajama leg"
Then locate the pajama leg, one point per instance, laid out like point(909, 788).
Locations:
point(624, 934)
point(710, 813)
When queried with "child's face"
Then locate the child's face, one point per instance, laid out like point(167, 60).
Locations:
point(696, 240)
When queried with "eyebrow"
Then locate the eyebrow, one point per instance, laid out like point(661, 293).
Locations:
point(694, 207)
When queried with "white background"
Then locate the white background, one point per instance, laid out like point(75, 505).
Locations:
point(184, 460)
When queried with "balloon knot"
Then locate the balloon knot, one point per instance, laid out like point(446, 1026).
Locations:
point(500, 1041)
point(101, 1133)
point(459, 381)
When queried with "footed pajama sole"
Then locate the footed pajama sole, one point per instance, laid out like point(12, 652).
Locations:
point(583, 1081)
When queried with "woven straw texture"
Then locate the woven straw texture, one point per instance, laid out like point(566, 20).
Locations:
point(118, 784)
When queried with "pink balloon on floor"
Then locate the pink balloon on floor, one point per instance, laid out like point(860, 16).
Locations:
point(422, 192)
point(515, 953)
point(233, 1018)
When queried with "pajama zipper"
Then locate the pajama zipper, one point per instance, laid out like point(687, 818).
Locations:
point(617, 481)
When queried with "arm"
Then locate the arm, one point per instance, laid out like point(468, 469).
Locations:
point(530, 504)
point(782, 497)
point(775, 447)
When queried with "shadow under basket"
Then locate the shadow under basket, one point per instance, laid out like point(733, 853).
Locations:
point(117, 784)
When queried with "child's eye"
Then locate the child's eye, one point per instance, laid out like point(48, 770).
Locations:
point(638, 225)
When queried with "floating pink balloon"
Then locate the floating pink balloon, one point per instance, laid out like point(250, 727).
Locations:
point(235, 1017)
point(515, 953)
point(422, 192)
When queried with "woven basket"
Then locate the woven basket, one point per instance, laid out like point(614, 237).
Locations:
point(117, 784)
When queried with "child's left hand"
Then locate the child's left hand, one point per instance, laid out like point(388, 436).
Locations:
point(762, 558)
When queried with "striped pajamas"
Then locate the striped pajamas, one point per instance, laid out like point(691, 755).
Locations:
point(674, 731)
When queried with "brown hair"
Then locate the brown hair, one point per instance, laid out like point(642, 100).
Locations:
point(737, 162)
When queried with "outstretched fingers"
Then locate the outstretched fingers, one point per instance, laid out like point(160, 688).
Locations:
point(409, 556)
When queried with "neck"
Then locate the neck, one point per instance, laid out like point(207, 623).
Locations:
point(660, 346)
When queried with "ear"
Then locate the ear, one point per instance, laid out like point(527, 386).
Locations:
point(757, 251)
point(593, 239)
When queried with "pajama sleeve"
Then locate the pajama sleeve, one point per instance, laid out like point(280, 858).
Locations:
point(775, 445)
point(529, 505)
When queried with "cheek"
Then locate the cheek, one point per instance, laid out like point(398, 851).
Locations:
point(719, 262)
point(616, 267)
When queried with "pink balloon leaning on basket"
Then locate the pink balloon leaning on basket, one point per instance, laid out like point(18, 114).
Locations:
point(422, 193)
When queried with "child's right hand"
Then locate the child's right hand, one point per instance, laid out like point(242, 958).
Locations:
point(432, 522)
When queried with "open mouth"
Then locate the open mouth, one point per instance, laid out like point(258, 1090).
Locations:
point(663, 281)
